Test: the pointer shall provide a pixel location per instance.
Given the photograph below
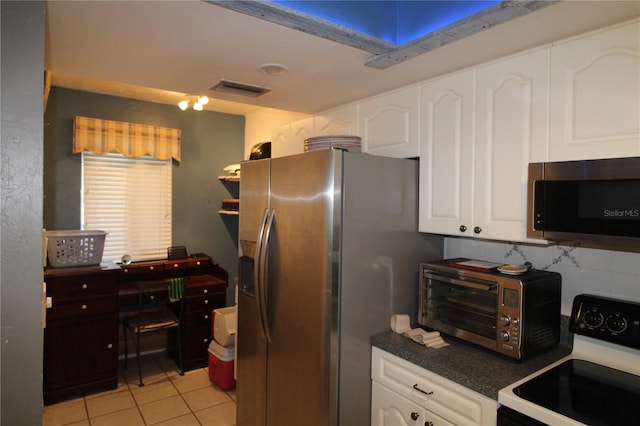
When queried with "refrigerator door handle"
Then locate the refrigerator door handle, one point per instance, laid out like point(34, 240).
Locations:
point(257, 268)
point(264, 277)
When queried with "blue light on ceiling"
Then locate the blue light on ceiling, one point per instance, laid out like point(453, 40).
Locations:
point(395, 21)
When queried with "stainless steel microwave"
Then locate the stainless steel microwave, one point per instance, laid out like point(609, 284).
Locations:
point(587, 201)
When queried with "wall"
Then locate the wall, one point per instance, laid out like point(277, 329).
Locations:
point(210, 141)
point(584, 270)
point(21, 88)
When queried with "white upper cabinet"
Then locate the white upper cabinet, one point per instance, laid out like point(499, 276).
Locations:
point(446, 154)
point(595, 95)
point(280, 140)
point(511, 131)
point(289, 139)
point(480, 130)
point(339, 121)
point(389, 123)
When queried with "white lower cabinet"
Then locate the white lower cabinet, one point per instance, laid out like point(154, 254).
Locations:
point(406, 394)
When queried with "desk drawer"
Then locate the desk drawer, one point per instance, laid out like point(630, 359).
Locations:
point(80, 286)
point(204, 303)
point(85, 307)
point(143, 268)
point(198, 319)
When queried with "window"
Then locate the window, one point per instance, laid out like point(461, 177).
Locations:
point(130, 199)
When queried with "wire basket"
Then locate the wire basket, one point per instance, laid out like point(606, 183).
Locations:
point(67, 249)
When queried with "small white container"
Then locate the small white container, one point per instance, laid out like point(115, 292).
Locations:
point(225, 322)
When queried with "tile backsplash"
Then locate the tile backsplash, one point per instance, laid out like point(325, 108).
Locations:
point(584, 270)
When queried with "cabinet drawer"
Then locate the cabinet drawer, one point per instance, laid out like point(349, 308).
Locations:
point(81, 286)
point(201, 285)
point(441, 396)
point(142, 268)
point(204, 303)
point(176, 264)
point(197, 345)
point(199, 261)
point(82, 308)
point(200, 319)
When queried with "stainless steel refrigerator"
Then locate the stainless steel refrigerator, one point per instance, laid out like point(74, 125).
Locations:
point(329, 250)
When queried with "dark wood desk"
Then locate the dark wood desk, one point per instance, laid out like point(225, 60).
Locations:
point(81, 337)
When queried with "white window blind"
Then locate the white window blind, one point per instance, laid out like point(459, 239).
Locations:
point(130, 199)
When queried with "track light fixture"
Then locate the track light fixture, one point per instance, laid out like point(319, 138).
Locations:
point(197, 103)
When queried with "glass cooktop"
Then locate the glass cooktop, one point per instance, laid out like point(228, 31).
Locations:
point(586, 392)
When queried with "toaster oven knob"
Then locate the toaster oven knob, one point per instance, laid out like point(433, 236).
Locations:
point(505, 320)
point(504, 336)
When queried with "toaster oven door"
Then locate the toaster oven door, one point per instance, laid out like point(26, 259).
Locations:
point(460, 307)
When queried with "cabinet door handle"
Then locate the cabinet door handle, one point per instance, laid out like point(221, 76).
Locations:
point(205, 291)
point(84, 286)
point(416, 387)
point(414, 415)
point(84, 307)
point(205, 340)
point(206, 302)
point(463, 228)
point(206, 317)
point(477, 230)
point(109, 346)
point(428, 423)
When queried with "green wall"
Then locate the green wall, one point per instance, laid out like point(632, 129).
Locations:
point(210, 141)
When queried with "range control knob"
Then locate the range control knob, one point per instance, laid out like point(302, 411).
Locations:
point(505, 320)
point(504, 336)
point(616, 323)
point(593, 318)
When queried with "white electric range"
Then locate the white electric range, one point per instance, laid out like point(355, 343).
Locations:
point(597, 384)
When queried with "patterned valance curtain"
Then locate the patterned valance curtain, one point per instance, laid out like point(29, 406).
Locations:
point(129, 139)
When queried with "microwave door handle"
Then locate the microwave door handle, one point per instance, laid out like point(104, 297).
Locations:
point(264, 279)
point(257, 268)
point(469, 284)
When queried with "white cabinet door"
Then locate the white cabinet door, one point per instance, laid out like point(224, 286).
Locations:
point(289, 139)
point(446, 155)
point(340, 121)
point(300, 130)
point(511, 131)
point(280, 140)
point(400, 388)
point(389, 123)
point(390, 409)
point(595, 95)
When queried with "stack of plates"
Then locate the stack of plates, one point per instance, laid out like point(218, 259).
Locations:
point(349, 143)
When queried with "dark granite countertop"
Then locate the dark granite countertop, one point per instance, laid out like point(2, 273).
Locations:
point(476, 368)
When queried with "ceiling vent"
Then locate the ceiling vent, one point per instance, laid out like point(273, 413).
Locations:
point(240, 88)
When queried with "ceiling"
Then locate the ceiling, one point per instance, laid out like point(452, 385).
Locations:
point(160, 51)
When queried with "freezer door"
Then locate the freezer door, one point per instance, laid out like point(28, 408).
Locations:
point(254, 196)
point(251, 356)
point(251, 345)
point(301, 372)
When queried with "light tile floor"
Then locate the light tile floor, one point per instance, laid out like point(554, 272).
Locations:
point(166, 399)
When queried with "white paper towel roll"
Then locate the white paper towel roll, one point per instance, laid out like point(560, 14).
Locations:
point(400, 323)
